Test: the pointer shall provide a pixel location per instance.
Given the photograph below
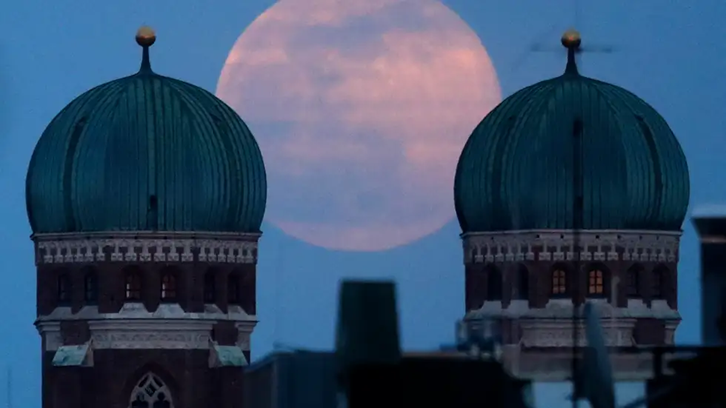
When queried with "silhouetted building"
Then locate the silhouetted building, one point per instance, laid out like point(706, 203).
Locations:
point(297, 379)
point(712, 235)
point(572, 189)
point(302, 379)
point(145, 196)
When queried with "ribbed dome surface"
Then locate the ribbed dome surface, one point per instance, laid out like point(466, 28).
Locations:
point(146, 153)
point(517, 169)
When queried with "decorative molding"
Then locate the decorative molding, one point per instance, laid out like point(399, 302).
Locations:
point(558, 333)
point(556, 245)
point(670, 332)
point(165, 311)
point(50, 335)
point(552, 325)
point(244, 334)
point(141, 247)
point(167, 335)
point(557, 367)
point(133, 327)
point(562, 309)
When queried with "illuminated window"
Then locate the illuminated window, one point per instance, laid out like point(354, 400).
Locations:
point(559, 282)
point(133, 286)
point(595, 285)
point(64, 289)
point(168, 287)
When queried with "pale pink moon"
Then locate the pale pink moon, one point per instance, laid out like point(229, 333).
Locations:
point(361, 109)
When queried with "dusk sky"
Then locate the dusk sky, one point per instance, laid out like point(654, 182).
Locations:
point(667, 52)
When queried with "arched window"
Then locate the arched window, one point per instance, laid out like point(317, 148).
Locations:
point(522, 282)
point(233, 290)
point(659, 276)
point(90, 288)
point(595, 282)
point(151, 392)
point(168, 287)
point(633, 276)
point(64, 289)
point(133, 286)
point(494, 284)
point(210, 287)
point(559, 282)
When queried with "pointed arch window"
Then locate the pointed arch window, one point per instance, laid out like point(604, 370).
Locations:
point(210, 287)
point(633, 276)
point(522, 282)
point(64, 289)
point(596, 282)
point(658, 282)
point(233, 290)
point(90, 288)
point(559, 282)
point(494, 284)
point(168, 287)
point(151, 392)
point(132, 286)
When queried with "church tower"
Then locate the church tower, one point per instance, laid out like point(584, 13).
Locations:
point(145, 196)
point(572, 190)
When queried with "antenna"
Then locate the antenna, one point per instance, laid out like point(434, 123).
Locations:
point(597, 383)
point(542, 45)
point(577, 225)
point(694, 377)
point(279, 265)
point(614, 301)
point(9, 393)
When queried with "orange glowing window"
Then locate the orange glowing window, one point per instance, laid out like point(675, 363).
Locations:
point(595, 285)
point(559, 282)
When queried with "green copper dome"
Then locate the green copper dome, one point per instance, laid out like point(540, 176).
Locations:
point(146, 153)
point(517, 170)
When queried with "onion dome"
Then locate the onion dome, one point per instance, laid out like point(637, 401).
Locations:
point(523, 163)
point(146, 153)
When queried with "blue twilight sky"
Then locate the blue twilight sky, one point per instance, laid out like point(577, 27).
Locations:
point(668, 52)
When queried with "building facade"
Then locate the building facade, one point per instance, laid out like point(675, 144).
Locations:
point(145, 196)
point(572, 190)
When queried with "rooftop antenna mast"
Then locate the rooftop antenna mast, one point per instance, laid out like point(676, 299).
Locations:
point(543, 46)
point(279, 265)
point(9, 393)
point(577, 225)
point(571, 40)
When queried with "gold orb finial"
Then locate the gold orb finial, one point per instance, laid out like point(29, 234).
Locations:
point(146, 36)
point(571, 38)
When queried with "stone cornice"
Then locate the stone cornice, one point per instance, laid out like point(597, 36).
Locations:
point(552, 326)
point(135, 328)
point(551, 366)
point(165, 312)
point(144, 334)
point(559, 333)
point(140, 247)
point(563, 309)
point(556, 245)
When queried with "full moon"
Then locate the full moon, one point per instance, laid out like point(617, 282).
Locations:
point(361, 109)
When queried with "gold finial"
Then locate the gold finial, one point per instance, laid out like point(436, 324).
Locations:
point(571, 38)
point(146, 36)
